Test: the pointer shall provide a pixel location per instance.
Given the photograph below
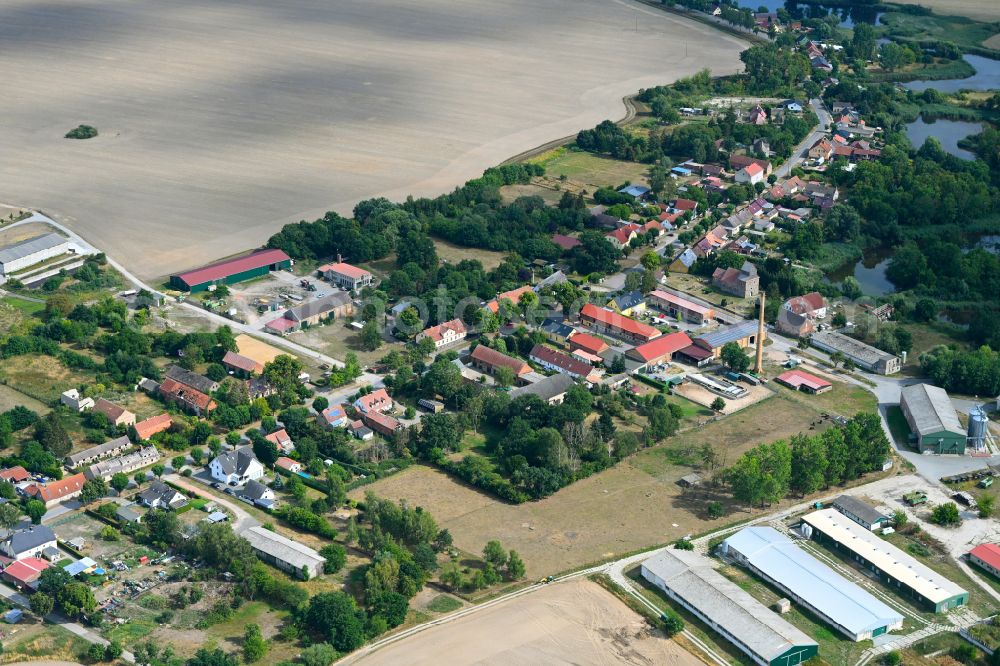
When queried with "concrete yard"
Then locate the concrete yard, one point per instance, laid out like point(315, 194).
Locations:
point(576, 622)
point(220, 121)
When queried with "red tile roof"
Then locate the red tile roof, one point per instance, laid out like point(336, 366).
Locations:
point(376, 401)
point(15, 474)
point(679, 302)
point(279, 438)
point(281, 325)
point(685, 204)
point(664, 346)
point(224, 269)
point(571, 365)
point(174, 389)
point(494, 359)
point(152, 425)
point(806, 303)
point(695, 352)
point(623, 236)
point(109, 409)
point(513, 296)
point(234, 360)
point(286, 463)
point(57, 489)
point(588, 343)
point(988, 553)
point(753, 169)
point(344, 269)
point(617, 321)
point(564, 241)
point(797, 378)
point(380, 422)
point(436, 333)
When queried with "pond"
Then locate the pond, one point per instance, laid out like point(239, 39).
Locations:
point(869, 271)
point(948, 132)
point(848, 15)
point(987, 77)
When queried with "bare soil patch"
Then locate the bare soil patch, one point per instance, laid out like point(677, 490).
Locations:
point(221, 121)
point(577, 622)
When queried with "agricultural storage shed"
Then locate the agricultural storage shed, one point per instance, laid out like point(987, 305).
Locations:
point(285, 554)
point(932, 419)
point(898, 570)
point(831, 597)
point(860, 512)
point(765, 637)
point(31, 251)
point(231, 271)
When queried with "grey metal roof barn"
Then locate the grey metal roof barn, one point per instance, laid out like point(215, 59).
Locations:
point(835, 599)
point(192, 379)
point(337, 299)
point(107, 448)
point(283, 553)
point(546, 389)
point(931, 409)
point(749, 624)
point(28, 247)
point(864, 355)
point(860, 512)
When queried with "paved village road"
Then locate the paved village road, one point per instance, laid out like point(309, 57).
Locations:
point(801, 150)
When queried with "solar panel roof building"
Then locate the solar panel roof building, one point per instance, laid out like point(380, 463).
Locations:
point(836, 600)
point(894, 567)
point(764, 636)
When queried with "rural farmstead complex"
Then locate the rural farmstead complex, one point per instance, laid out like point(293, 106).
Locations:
point(362, 333)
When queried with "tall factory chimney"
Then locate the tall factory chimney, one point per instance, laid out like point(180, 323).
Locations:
point(759, 367)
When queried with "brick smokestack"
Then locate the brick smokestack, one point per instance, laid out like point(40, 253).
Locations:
point(759, 367)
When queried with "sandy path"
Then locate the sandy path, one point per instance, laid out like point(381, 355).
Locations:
point(577, 622)
point(222, 120)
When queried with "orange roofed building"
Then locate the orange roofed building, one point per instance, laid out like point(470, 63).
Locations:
point(56, 491)
point(611, 323)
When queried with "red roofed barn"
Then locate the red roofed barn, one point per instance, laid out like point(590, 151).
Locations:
point(232, 271)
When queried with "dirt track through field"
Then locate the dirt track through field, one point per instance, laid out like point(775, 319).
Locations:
point(577, 622)
point(219, 121)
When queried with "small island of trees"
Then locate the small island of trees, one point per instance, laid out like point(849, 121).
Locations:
point(82, 132)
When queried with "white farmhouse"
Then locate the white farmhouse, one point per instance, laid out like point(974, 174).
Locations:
point(238, 466)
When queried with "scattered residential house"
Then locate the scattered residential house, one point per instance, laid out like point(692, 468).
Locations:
point(346, 276)
point(821, 63)
point(383, 424)
point(659, 351)
point(72, 399)
point(550, 359)
point(551, 389)
point(376, 401)
point(192, 379)
point(360, 431)
point(840, 108)
point(737, 162)
point(684, 261)
point(557, 331)
point(588, 343)
point(794, 324)
point(764, 226)
point(811, 305)
point(334, 306)
point(15, 474)
point(112, 447)
point(489, 360)
point(255, 492)
point(147, 385)
point(653, 228)
point(187, 398)
point(125, 464)
point(612, 323)
point(442, 335)
point(118, 416)
point(281, 440)
point(258, 387)
point(147, 428)
point(238, 466)
point(793, 106)
point(514, 296)
point(24, 573)
point(602, 219)
point(635, 191)
point(629, 303)
point(682, 206)
point(751, 174)
point(713, 184)
point(28, 542)
point(621, 237)
point(292, 466)
point(712, 170)
point(280, 326)
point(681, 308)
point(333, 416)
point(757, 116)
point(821, 151)
point(743, 282)
point(161, 496)
point(567, 243)
point(241, 366)
point(853, 153)
point(761, 146)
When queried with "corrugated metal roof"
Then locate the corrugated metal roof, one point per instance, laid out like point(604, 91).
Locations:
point(931, 409)
point(30, 246)
point(866, 512)
point(286, 550)
point(224, 269)
point(840, 600)
point(725, 603)
point(924, 580)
